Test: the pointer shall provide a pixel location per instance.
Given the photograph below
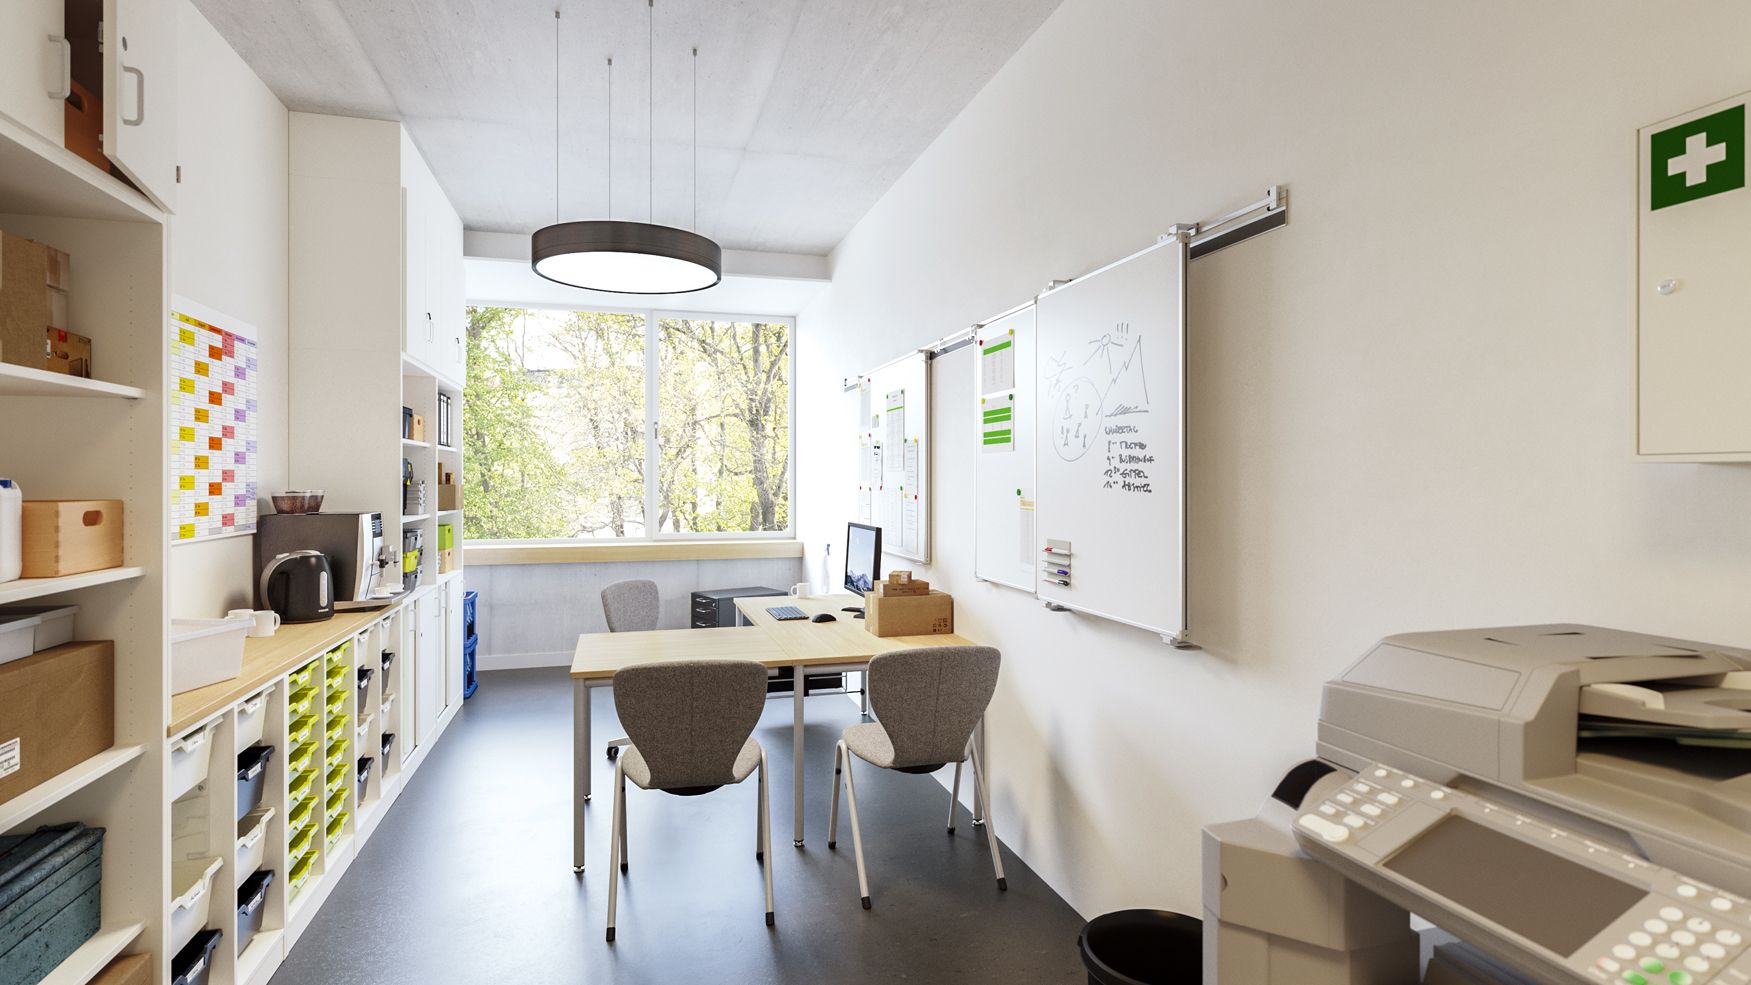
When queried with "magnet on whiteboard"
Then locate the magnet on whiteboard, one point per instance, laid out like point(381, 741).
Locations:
point(1667, 286)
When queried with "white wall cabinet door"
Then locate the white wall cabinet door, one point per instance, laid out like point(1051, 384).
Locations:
point(36, 65)
point(139, 94)
point(416, 342)
point(429, 692)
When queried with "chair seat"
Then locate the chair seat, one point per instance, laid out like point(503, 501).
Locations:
point(870, 742)
point(639, 772)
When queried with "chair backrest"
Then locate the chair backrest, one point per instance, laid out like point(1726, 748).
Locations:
point(689, 719)
point(631, 606)
point(929, 700)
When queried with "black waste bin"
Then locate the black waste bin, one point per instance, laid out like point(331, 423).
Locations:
point(1142, 947)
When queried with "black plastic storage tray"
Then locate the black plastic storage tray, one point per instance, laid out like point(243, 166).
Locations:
point(364, 777)
point(50, 898)
point(252, 775)
point(364, 683)
point(194, 962)
point(388, 744)
point(252, 905)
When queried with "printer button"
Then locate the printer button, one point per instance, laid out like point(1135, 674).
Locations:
point(1623, 951)
point(1686, 890)
point(1721, 903)
point(1669, 951)
point(1389, 799)
point(1731, 938)
point(1328, 810)
point(1372, 810)
point(1326, 830)
point(1671, 913)
point(1683, 938)
point(1710, 949)
point(1640, 939)
point(1697, 964)
point(1355, 820)
point(1699, 925)
point(1656, 926)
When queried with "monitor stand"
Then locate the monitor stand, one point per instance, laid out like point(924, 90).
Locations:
point(854, 608)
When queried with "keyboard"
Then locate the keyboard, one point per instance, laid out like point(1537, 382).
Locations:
point(784, 613)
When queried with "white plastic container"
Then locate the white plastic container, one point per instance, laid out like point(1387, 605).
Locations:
point(252, 717)
point(17, 630)
point(190, 759)
point(192, 881)
point(54, 624)
point(252, 842)
point(205, 651)
point(11, 530)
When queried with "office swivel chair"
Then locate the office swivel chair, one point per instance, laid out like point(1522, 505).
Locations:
point(927, 703)
point(630, 607)
point(692, 725)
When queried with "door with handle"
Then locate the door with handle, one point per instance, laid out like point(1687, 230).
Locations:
point(139, 94)
point(36, 61)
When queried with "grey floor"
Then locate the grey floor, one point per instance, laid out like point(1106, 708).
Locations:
point(469, 879)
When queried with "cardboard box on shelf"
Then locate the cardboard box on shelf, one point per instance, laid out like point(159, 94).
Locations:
point(84, 126)
point(69, 353)
point(449, 496)
point(417, 428)
point(57, 709)
point(448, 559)
point(68, 536)
point(60, 269)
point(129, 969)
point(909, 615)
point(24, 300)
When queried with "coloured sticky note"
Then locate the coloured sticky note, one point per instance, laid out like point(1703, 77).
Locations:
point(186, 385)
point(185, 336)
point(202, 415)
point(185, 434)
point(215, 443)
point(215, 488)
point(201, 368)
point(200, 509)
point(215, 398)
point(185, 532)
point(200, 461)
point(185, 482)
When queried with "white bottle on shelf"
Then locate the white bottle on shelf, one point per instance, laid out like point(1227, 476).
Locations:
point(11, 530)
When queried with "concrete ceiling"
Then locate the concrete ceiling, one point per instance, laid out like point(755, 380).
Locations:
point(808, 109)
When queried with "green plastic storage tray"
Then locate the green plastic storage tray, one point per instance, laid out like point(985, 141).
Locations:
point(337, 802)
point(303, 677)
point(302, 730)
point(302, 760)
point(336, 827)
point(301, 871)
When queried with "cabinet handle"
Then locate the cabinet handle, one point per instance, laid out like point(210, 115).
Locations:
point(139, 97)
point(66, 67)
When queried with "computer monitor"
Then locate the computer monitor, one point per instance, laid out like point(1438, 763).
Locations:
point(863, 557)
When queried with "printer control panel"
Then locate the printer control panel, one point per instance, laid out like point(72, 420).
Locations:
point(1585, 911)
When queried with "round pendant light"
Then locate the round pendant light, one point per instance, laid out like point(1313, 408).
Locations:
point(624, 257)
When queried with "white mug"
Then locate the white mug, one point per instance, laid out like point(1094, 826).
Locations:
point(801, 589)
point(267, 621)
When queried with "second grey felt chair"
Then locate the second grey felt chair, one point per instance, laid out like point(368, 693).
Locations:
point(631, 606)
point(927, 703)
point(691, 723)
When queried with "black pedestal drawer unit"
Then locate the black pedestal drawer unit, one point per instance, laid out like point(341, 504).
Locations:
point(717, 607)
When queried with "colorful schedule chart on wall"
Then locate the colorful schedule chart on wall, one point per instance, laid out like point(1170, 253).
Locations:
point(213, 409)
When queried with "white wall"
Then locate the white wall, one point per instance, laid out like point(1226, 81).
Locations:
point(228, 251)
point(1412, 406)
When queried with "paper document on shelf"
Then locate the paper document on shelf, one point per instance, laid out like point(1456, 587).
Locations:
point(1026, 512)
point(864, 420)
point(997, 423)
point(894, 424)
point(909, 522)
point(997, 363)
point(911, 481)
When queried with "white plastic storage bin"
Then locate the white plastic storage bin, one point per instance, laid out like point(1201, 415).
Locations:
point(190, 759)
point(252, 718)
point(54, 623)
point(16, 633)
point(192, 881)
point(205, 651)
point(252, 842)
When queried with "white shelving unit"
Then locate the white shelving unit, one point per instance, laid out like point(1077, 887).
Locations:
point(22, 809)
point(21, 381)
point(83, 965)
point(25, 589)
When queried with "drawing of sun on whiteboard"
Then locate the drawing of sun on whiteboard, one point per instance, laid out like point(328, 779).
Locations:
point(1109, 514)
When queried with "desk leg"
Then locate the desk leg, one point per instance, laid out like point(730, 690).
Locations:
point(580, 768)
point(798, 689)
point(978, 788)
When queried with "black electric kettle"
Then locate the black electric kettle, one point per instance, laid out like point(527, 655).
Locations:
point(298, 586)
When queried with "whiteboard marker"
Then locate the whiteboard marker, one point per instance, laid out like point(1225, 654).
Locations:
point(1060, 581)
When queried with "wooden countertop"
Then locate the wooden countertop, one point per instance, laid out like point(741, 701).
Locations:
point(267, 658)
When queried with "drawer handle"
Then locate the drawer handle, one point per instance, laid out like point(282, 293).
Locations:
point(66, 47)
point(139, 98)
point(189, 743)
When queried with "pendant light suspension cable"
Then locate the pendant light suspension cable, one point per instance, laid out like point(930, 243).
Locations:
point(650, 157)
point(696, 137)
point(608, 137)
point(556, 114)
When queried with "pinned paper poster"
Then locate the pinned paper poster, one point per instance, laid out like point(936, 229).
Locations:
point(867, 465)
point(909, 521)
point(1026, 528)
point(212, 423)
point(865, 504)
point(864, 413)
point(997, 422)
point(911, 481)
point(997, 363)
point(894, 422)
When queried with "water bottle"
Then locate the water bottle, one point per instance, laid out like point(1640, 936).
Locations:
point(11, 530)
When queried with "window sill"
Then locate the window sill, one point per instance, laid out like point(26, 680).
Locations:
point(662, 550)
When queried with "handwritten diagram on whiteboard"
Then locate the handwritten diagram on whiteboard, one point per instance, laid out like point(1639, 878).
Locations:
point(1111, 409)
point(893, 434)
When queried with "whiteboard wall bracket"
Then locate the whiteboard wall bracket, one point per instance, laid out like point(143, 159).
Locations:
point(1181, 640)
point(1055, 607)
point(1241, 224)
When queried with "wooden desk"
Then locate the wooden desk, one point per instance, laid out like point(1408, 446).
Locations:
point(842, 645)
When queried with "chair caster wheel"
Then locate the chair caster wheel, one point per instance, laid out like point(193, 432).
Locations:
point(610, 935)
point(769, 922)
point(1003, 885)
point(866, 902)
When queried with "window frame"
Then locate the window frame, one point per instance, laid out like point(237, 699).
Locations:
point(653, 424)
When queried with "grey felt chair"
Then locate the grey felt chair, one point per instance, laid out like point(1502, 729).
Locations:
point(927, 703)
point(691, 723)
point(631, 606)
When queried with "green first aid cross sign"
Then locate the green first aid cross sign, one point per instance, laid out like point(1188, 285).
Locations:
point(1693, 160)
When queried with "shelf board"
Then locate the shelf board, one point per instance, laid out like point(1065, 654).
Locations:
point(447, 512)
point(250, 961)
point(410, 443)
point(449, 448)
point(22, 381)
point(94, 955)
point(416, 518)
point(30, 588)
point(39, 178)
point(449, 576)
point(59, 787)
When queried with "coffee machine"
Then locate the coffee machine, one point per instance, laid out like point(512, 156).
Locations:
point(353, 543)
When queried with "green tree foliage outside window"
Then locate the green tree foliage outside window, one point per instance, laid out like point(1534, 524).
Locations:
point(554, 426)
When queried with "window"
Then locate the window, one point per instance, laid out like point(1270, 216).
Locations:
point(568, 415)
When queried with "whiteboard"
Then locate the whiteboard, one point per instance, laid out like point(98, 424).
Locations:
point(1111, 428)
point(893, 464)
point(1004, 551)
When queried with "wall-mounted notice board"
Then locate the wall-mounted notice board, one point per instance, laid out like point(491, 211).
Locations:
point(1110, 418)
point(893, 464)
point(1004, 547)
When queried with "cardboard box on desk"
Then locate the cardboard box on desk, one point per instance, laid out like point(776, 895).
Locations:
point(909, 615)
point(57, 709)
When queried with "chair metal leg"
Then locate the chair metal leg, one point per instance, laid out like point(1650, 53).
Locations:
point(766, 833)
point(856, 831)
point(620, 817)
point(833, 812)
point(760, 816)
point(990, 828)
point(863, 691)
point(954, 799)
point(580, 768)
point(614, 848)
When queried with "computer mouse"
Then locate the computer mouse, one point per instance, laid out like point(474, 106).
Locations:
point(825, 617)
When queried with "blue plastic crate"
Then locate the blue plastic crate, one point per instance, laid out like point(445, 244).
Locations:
point(470, 679)
point(468, 635)
point(50, 904)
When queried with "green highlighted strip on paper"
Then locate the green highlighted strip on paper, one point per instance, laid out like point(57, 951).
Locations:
point(997, 422)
